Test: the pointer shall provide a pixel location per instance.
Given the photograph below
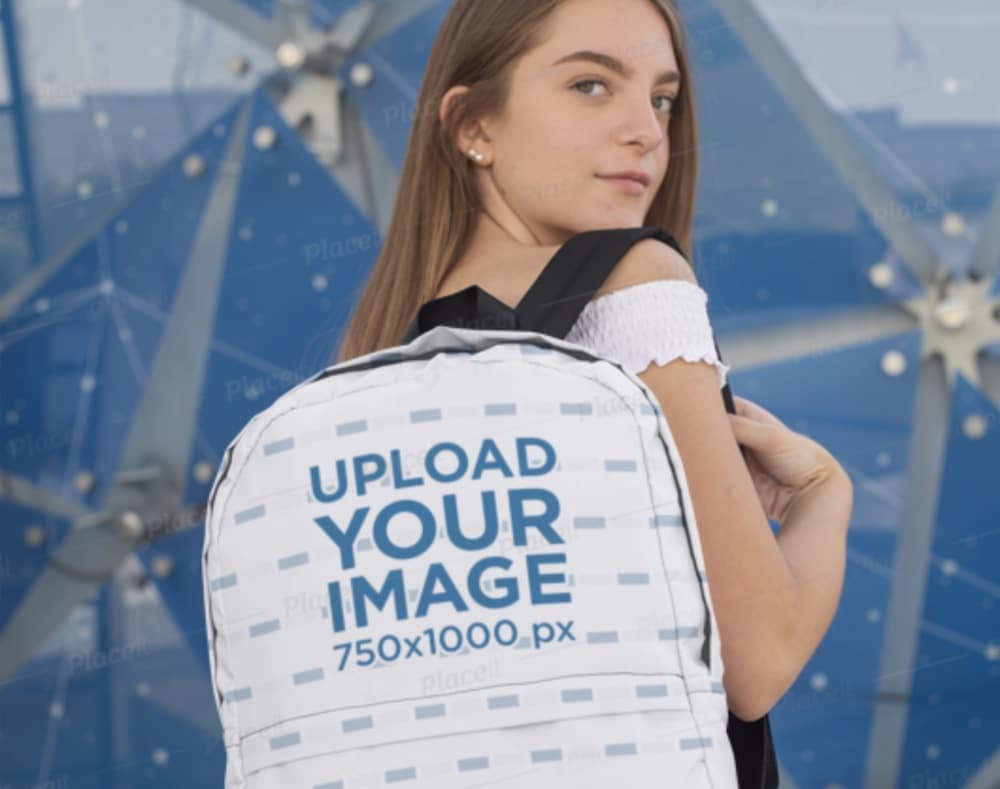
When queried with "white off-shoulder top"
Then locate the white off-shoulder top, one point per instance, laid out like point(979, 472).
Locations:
point(650, 323)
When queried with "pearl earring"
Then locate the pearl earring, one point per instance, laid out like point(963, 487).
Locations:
point(476, 155)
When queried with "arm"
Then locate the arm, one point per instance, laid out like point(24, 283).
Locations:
point(753, 588)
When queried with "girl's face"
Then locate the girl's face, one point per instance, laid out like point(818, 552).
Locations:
point(573, 118)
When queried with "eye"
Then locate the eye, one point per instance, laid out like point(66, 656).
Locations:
point(670, 99)
point(578, 85)
point(590, 82)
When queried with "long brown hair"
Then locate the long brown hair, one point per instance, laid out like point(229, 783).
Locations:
point(434, 215)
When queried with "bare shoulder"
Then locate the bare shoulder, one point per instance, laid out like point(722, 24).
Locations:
point(646, 261)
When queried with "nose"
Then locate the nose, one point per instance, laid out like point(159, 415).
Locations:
point(644, 125)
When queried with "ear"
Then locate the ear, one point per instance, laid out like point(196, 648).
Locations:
point(472, 133)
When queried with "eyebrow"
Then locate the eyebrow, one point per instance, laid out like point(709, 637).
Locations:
point(614, 64)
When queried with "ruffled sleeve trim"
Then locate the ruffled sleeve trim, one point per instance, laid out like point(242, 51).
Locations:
point(650, 323)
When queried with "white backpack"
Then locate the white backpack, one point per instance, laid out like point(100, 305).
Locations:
point(468, 558)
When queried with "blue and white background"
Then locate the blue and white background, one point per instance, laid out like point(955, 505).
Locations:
point(192, 193)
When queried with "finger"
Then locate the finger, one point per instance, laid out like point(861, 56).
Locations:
point(758, 412)
point(752, 432)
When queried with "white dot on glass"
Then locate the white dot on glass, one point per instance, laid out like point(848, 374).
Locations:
point(362, 75)
point(84, 189)
point(294, 179)
point(992, 652)
point(56, 709)
point(769, 207)
point(818, 682)
point(42, 305)
point(880, 275)
point(138, 133)
point(265, 138)
point(87, 383)
point(12, 416)
point(883, 459)
point(949, 567)
point(121, 227)
point(974, 426)
point(142, 689)
point(73, 5)
point(894, 363)
point(203, 471)
point(101, 119)
point(320, 282)
point(874, 615)
point(953, 225)
point(951, 86)
point(160, 757)
point(125, 335)
point(933, 751)
point(246, 233)
point(106, 286)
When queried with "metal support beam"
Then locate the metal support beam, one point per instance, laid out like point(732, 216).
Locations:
point(925, 465)
point(161, 431)
point(986, 257)
point(17, 107)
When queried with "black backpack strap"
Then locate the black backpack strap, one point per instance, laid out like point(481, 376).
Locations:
point(555, 300)
point(569, 280)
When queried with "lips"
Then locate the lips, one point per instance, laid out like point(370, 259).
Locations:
point(631, 175)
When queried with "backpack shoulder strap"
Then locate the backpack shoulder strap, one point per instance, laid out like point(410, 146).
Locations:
point(555, 300)
point(569, 280)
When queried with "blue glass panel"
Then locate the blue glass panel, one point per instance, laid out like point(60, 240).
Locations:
point(398, 61)
point(21, 564)
point(324, 13)
point(263, 7)
point(955, 707)
point(844, 401)
point(113, 92)
point(912, 100)
point(75, 354)
point(779, 237)
point(299, 247)
point(181, 591)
